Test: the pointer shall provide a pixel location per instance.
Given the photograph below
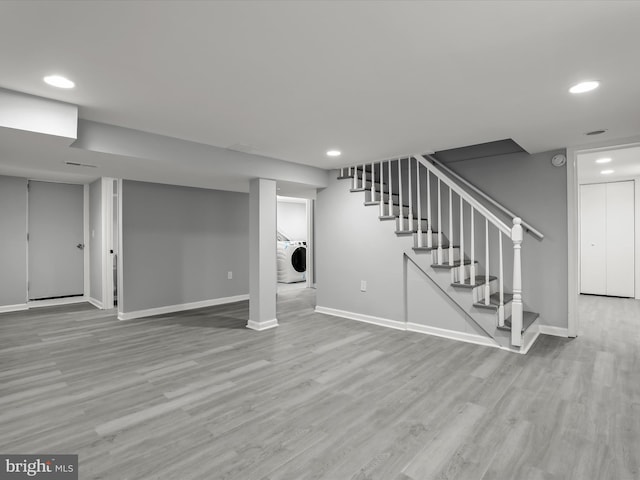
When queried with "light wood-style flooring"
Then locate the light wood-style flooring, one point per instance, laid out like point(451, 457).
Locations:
point(196, 395)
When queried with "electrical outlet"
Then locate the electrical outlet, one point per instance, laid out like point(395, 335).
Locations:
point(363, 285)
point(229, 275)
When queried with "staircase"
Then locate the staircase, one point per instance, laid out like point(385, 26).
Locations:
point(459, 242)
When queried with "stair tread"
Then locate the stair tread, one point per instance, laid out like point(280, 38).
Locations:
point(429, 249)
point(494, 301)
point(527, 320)
point(456, 263)
point(479, 281)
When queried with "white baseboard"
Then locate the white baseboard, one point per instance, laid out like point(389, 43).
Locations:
point(452, 335)
point(56, 301)
point(96, 303)
point(267, 324)
point(14, 308)
point(411, 327)
point(555, 331)
point(383, 322)
point(181, 307)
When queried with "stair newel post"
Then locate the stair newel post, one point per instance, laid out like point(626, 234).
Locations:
point(487, 287)
point(400, 203)
point(450, 226)
point(364, 177)
point(429, 228)
point(390, 180)
point(462, 276)
point(410, 196)
point(472, 267)
point(516, 306)
point(419, 200)
point(342, 172)
point(381, 188)
point(501, 280)
point(440, 224)
point(354, 179)
point(373, 182)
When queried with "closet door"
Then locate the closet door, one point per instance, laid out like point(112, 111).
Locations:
point(593, 233)
point(620, 239)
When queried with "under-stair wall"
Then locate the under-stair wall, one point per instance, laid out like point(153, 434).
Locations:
point(354, 245)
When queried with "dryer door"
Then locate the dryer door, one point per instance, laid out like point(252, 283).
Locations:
point(299, 259)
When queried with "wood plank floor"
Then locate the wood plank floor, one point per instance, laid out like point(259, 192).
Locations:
point(197, 396)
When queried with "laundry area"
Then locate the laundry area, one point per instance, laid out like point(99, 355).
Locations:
point(292, 243)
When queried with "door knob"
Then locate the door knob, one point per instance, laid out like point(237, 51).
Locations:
point(80, 246)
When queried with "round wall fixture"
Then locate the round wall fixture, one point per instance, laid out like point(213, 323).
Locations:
point(558, 160)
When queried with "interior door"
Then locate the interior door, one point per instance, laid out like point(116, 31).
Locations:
point(593, 232)
point(620, 239)
point(56, 257)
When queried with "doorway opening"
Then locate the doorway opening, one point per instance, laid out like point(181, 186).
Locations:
point(294, 243)
point(604, 225)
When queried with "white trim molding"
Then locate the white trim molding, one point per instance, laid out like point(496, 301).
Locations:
point(418, 328)
point(14, 308)
point(149, 312)
point(453, 335)
point(382, 322)
point(555, 331)
point(259, 326)
point(96, 303)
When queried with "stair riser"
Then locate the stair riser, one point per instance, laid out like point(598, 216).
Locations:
point(403, 223)
point(446, 254)
point(479, 292)
point(425, 240)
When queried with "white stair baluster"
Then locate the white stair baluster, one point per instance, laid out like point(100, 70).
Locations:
point(364, 176)
point(462, 272)
point(342, 172)
point(390, 191)
point(410, 198)
point(501, 281)
point(472, 267)
point(381, 189)
point(450, 227)
point(487, 287)
point(439, 225)
point(373, 182)
point(429, 213)
point(419, 200)
point(400, 202)
point(354, 179)
point(516, 304)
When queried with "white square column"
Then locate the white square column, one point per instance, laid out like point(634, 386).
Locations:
point(262, 254)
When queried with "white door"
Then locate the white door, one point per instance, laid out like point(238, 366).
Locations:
point(620, 239)
point(56, 257)
point(607, 239)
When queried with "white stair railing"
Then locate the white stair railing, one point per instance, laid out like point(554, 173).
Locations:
point(425, 169)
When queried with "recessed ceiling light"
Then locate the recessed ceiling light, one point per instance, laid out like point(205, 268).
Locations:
point(334, 153)
point(59, 81)
point(603, 160)
point(583, 87)
point(606, 172)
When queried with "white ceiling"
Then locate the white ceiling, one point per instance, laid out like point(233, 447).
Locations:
point(625, 163)
point(375, 79)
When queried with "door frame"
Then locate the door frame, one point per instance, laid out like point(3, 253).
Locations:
point(85, 256)
point(573, 224)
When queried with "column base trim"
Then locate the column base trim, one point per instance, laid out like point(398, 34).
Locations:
point(259, 326)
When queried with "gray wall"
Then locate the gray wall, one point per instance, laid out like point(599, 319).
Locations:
point(180, 242)
point(95, 239)
point(292, 220)
point(13, 240)
point(353, 245)
point(537, 191)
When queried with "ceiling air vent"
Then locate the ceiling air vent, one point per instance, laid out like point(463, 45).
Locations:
point(76, 164)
